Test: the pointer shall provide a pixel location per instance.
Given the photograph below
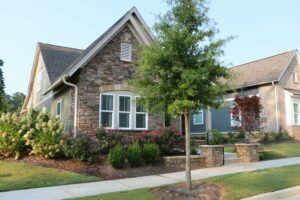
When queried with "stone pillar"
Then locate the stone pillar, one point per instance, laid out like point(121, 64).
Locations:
point(247, 152)
point(214, 155)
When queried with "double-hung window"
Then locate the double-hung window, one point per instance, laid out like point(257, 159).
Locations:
point(140, 116)
point(106, 110)
point(124, 111)
point(198, 117)
point(39, 80)
point(296, 114)
point(119, 110)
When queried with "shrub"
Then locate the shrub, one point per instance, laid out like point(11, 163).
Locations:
point(218, 137)
point(269, 155)
point(116, 156)
point(46, 139)
point(150, 153)
point(108, 139)
point(82, 148)
point(12, 130)
point(134, 154)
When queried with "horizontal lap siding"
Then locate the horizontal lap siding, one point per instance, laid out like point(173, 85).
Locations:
point(221, 119)
point(198, 128)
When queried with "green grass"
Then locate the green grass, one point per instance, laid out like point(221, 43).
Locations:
point(139, 194)
point(14, 176)
point(284, 149)
point(229, 149)
point(237, 186)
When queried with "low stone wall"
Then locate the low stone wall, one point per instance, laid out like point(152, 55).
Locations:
point(211, 156)
point(247, 152)
point(214, 154)
point(197, 162)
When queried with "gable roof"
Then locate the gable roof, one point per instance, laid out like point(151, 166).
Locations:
point(57, 58)
point(138, 27)
point(261, 71)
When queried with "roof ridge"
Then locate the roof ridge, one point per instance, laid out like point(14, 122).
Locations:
point(240, 65)
point(54, 45)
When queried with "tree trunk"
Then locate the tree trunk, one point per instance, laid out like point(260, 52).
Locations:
point(187, 150)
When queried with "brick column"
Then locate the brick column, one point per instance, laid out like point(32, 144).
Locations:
point(247, 152)
point(214, 155)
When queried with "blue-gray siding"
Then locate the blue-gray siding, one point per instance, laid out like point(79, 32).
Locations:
point(197, 128)
point(221, 119)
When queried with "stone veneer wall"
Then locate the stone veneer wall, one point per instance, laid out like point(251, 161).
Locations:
point(106, 68)
point(211, 156)
point(247, 152)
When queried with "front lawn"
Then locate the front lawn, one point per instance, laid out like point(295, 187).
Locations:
point(282, 149)
point(14, 176)
point(237, 186)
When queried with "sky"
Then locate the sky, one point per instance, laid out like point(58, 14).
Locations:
point(260, 28)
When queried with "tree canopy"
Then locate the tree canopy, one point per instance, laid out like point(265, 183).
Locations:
point(181, 70)
point(2, 87)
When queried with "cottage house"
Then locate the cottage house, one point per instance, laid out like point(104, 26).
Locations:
point(89, 88)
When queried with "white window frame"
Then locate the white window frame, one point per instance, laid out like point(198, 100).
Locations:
point(135, 113)
point(130, 112)
point(295, 76)
point(113, 111)
point(40, 80)
point(293, 112)
point(129, 53)
point(115, 114)
point(194, 120)
point(233, 122)
point(58, 116)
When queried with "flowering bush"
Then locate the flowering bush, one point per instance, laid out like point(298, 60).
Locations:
point(167, 139)
point(46, 139)
point(12, 130)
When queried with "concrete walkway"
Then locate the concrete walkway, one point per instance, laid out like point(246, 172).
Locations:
point(292, 193)
point(87, 189)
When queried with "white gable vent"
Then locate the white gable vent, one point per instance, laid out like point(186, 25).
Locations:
point(126, 52)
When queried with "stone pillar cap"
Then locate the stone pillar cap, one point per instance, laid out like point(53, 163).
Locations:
point(247, 144)
point(218, 145)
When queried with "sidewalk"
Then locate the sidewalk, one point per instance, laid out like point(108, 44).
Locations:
point(88, 189)
point(292, 193)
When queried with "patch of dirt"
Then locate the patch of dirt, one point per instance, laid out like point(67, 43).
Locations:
point(101, 169)
point(202, 191)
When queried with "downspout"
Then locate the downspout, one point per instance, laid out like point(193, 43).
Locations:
point(276, 106)
point(75, 104)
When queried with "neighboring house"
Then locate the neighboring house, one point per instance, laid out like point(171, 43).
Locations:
point(275, 80)
point(89, 88)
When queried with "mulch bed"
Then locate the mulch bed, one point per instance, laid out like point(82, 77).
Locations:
point(202, 191)
point(101, 169)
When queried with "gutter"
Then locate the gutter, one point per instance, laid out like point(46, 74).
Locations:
point(75, 104)
point(276, 106)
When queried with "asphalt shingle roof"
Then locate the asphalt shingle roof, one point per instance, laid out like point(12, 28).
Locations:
point(57, 59)
point(261, 71)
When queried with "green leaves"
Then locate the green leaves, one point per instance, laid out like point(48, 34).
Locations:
point(181, 70)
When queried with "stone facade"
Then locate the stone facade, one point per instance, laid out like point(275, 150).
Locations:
point(105, 72)
point(211, 156)
point(247, 152)
point(178, 162)
point(214, 155)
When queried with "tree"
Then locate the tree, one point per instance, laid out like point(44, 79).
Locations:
point(180, 71)
point(2, 87)
point(15, 102)
point(247, 113)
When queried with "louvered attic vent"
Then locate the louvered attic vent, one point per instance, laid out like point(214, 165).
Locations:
point(126, 52)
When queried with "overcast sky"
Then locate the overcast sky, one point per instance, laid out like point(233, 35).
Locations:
point(262, 28)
